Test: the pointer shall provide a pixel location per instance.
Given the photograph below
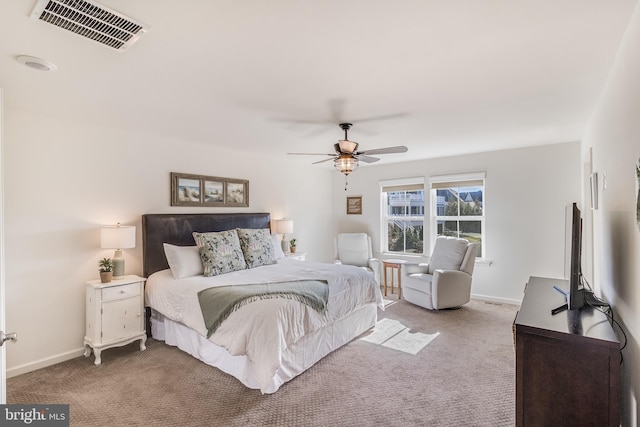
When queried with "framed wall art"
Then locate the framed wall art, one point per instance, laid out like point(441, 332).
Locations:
point(210, 191)
point(354, 205)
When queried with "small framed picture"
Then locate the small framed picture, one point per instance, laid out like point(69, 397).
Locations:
point(213, 191)
point(185, 190)
point(236, 192)
point(354, 205)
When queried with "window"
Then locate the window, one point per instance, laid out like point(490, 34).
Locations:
point(457, 206)
point(403, 215)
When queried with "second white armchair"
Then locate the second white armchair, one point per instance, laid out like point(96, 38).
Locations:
point(446, 281)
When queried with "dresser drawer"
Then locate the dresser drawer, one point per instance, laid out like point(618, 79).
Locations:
point(123, 291)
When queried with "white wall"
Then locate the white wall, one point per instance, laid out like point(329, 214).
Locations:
point(613, 137)
point(65, 179)
point(526, 191)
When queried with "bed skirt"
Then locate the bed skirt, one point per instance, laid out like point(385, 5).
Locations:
point(295, 359)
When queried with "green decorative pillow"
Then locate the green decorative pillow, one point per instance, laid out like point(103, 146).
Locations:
point(220, 252)
point(257, 246)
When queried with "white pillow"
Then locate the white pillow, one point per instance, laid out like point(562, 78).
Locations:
point(277, 246)
point(184, 261)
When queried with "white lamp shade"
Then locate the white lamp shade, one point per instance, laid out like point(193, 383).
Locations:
point(283, 226)
point(118, 237)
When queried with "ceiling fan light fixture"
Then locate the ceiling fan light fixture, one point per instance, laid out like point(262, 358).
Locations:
point(345, 164)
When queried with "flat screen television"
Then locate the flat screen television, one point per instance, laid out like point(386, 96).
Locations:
point(573, 257)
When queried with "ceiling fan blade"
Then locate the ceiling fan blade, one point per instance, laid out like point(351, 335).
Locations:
point(312, 154)
point(387, 150)
point(325, 160)
point(383, 117)
point(367, 159)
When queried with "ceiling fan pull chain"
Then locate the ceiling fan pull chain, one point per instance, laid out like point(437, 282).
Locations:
point(346, 182)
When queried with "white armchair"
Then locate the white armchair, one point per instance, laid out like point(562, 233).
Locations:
point(355, 249)
point(445, 282)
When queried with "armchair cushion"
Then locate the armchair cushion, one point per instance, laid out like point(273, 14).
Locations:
point(412, 269)
point(420, 281)
point(448, 254)
point(354, 249)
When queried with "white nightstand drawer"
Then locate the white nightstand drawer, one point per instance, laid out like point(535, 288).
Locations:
point(123, 291)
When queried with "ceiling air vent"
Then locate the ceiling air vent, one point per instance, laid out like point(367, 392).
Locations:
point(91, 20)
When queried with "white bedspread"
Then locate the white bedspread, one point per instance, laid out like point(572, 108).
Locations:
point(263, 329)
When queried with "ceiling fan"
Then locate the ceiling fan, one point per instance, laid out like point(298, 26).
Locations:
point(346, 157)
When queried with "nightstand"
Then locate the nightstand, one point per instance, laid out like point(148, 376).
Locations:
point(115, 314)
point(300, 256)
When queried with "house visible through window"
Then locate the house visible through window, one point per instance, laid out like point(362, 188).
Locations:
point(402, 212)
point(457, 207)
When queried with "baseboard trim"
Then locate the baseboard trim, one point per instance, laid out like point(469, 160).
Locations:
point(43, 363)
point(496, 299)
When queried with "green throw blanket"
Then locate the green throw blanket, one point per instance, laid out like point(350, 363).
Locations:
point(219, 302)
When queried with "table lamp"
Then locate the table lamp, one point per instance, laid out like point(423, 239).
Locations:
point(284, 227)
point(118, 237)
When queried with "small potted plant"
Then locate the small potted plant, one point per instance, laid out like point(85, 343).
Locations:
point(106, 270)
point(292, 245)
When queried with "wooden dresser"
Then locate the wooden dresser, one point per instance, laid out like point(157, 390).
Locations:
point(567, 365)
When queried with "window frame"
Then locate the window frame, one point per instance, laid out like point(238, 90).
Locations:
point(385, 185)
point(464, 179)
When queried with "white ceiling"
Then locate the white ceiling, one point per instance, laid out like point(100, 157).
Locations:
point(450, 76)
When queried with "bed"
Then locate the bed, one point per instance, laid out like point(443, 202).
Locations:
point(264, 343)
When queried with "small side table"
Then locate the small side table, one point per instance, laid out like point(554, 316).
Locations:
point(393, 264)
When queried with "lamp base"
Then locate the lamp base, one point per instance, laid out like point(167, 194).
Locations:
point(118, 264)
point(285, 245)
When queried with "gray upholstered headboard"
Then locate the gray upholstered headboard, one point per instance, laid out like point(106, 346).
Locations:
point(176, 229)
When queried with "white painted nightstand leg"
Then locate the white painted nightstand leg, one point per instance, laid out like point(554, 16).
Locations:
point(142, 341)
point(87, 351)
point(98, 360)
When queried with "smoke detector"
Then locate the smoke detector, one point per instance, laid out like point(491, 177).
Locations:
point(91, 20)
point(37, 63)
